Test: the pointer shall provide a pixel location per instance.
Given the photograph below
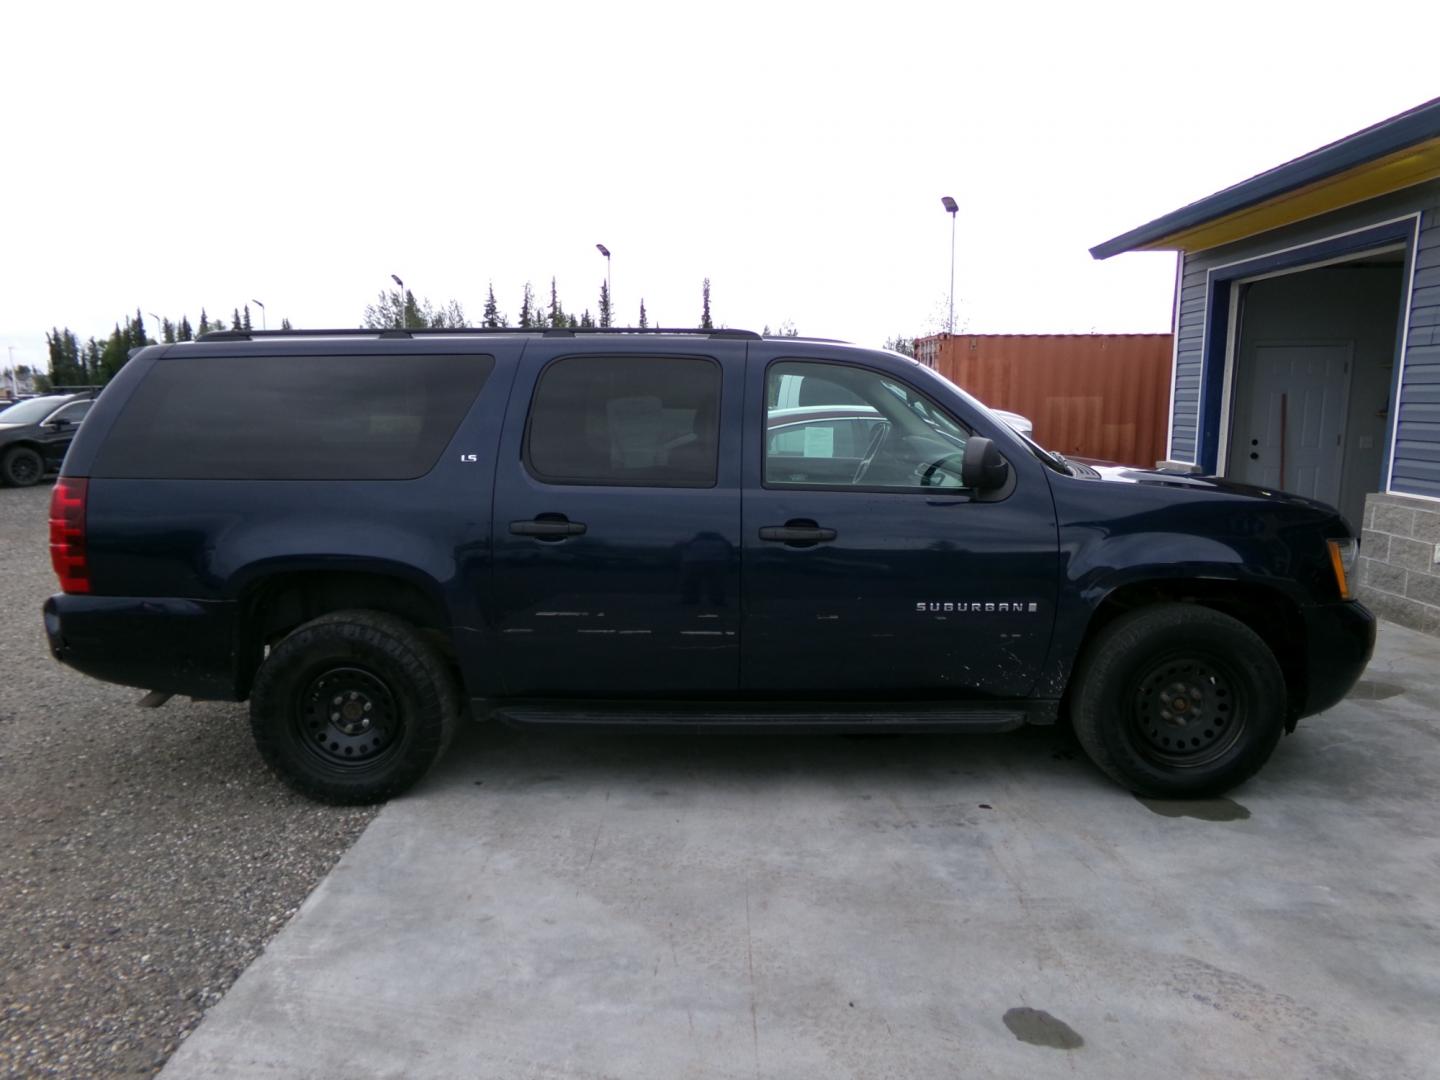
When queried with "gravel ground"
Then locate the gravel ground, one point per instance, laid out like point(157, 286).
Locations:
point(146, 857)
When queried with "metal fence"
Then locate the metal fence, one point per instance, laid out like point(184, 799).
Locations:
point(1092, 395)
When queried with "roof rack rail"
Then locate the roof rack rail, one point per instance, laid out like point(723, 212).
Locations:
point(480, 331)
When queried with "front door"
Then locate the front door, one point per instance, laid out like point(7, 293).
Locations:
point(869, 571)
point(616, 524)
point(1289, 431)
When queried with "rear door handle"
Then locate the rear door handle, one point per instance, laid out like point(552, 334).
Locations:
point(547, 528)
point(797, 532)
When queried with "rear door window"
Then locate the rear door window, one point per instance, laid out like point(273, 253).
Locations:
point(292, 417)
point(625, 420)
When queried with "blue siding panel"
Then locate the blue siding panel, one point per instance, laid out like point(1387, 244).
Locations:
point(1416, 466)
point(1415, 470)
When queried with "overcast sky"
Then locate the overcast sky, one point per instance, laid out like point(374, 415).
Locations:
point(174, 157)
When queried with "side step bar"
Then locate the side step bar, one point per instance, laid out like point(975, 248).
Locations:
point(947, 716)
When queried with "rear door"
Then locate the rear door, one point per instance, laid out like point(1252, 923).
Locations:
point(868, 569)
point(616, 521)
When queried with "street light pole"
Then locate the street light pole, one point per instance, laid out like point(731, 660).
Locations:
point(952, 207)
point(261, 306)
point(396, 278)
point(609, 289)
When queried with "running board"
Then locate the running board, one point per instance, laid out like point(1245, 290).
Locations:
point(768, 717)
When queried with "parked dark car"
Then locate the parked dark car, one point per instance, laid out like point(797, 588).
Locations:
point(35, 433)
point(369, 534)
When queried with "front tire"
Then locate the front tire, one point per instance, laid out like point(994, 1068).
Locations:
point(21, 467)
point(353, 707)
point(1179, 701)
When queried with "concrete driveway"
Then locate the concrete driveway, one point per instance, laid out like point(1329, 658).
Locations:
point(676, 906)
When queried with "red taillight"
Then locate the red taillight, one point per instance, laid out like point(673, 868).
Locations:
point(67, 535)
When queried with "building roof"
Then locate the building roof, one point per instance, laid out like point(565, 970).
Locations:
point(1393, 154)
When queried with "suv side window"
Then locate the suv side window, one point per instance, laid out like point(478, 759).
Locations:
point(74, 412)
point(840, 426)
point(649, 421)
point(378, 417)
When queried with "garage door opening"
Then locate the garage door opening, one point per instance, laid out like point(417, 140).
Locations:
point(1314, 355)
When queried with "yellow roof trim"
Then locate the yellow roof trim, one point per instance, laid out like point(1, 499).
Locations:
point(1404, 168)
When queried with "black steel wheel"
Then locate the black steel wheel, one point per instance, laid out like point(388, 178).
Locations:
point(21, 467)
point(1178, 701)
point(353, 707)
point(1189, 709)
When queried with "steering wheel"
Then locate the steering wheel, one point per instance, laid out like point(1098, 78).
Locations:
point(877, 439)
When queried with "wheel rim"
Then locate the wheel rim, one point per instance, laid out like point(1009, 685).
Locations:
point(348, 718)
point(24, 469)
point(1188, 711)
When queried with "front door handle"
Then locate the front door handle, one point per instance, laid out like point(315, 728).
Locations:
point(797, 532)
point(548, 527)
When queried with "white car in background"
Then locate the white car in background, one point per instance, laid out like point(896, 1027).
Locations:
point(1015, 420)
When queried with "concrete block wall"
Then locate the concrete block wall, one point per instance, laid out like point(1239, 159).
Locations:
point(1399, 577)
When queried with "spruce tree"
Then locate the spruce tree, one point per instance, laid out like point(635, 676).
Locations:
point(246, 323)
point(204, 322)
point(183, 331)
point(411, 317)
point(66, 367)
point(91, 366)
point(167, 331)
point(285, 324)
point(644, 322)
point(493, 319)
point(605, 319)
point(114, 353)
point(528, 314)
point(705, 323)
point(235, 321)
point(557, 313)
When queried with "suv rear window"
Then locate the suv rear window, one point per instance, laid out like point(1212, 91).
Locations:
point(627, 420)
point(292, 417)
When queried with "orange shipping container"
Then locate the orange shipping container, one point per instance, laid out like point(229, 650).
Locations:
point(1092, 395)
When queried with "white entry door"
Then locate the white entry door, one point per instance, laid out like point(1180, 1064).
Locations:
point(1289, 432)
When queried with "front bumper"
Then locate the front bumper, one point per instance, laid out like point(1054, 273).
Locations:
point(1339, 639)
point(156, 643)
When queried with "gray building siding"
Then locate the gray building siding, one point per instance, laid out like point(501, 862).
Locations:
point(1416, 461)
point(1415, 469)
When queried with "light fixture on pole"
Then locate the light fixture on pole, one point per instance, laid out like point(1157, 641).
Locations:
point(261, 306)
point(952, 208)
point(157, 319)
point(400, 314)
point(609, 291)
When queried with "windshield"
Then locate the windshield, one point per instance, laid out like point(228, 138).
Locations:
point(32, 411)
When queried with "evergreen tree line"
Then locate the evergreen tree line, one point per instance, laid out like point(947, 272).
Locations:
point(398, 309)
point(96, 362)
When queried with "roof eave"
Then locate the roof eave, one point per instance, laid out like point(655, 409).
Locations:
point(1354, 151)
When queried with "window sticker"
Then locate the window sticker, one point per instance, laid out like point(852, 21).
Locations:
point(820, 442)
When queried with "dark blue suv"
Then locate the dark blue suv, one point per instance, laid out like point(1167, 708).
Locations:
point(370, 534)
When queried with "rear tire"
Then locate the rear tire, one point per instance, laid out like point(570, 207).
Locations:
point(353, 707)
point(1179, 701)
point(21, 467)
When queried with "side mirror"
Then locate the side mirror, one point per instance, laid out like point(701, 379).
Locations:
point(983, 468)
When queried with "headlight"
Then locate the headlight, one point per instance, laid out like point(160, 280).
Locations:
point(1342, 560)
